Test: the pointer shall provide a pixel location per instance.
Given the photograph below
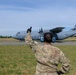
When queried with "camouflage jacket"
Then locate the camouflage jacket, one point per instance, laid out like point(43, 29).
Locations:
point(48, 57)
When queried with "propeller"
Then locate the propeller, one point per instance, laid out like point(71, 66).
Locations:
point(40, 31)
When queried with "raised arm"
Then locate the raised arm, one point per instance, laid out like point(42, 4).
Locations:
point(28, 39)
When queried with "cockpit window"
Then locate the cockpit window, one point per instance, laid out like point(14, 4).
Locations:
point(17, 33)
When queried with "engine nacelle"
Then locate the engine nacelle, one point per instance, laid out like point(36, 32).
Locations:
point(53, 39)
point(41, 39)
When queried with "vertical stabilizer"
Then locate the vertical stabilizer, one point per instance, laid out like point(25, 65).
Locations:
point(74, 28)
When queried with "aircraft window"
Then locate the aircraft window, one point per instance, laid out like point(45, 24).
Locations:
point(18, 33)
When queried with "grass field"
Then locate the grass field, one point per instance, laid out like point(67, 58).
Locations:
point(20, 60)
point(71, 39)
point(7, 39)
point(11, 39)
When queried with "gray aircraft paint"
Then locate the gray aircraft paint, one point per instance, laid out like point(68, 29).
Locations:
point(36, 35)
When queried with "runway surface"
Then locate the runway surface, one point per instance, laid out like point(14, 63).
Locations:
point(23, 43)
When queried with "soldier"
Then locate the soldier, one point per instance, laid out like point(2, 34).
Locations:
point(48, 57)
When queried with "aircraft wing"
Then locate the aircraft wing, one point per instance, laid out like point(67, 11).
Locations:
point(57, 29)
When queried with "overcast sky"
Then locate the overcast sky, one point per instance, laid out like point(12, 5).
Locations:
point(18, 15)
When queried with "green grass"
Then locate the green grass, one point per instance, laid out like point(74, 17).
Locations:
point(70, 53)
point(70, 39)
point(7, 39)
point(20, 60)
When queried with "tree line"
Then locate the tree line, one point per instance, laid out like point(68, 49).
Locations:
point(5, 36)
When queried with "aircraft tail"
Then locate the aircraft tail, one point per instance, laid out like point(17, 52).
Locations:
point(74, 28)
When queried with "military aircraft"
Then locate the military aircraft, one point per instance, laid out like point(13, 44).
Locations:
point(58, 34)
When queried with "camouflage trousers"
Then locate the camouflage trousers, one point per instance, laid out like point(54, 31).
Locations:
point(38, 73)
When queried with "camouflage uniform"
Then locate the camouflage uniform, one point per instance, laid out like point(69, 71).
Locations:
point(48, 57)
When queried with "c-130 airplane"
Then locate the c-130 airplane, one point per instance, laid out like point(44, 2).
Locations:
point(57, 32)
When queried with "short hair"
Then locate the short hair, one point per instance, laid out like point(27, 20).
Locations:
point(48, 37)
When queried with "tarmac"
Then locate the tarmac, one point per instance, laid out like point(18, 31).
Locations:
point(23, 43)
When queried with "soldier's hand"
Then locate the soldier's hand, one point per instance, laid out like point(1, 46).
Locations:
point(59, 72)
point(29, 29)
